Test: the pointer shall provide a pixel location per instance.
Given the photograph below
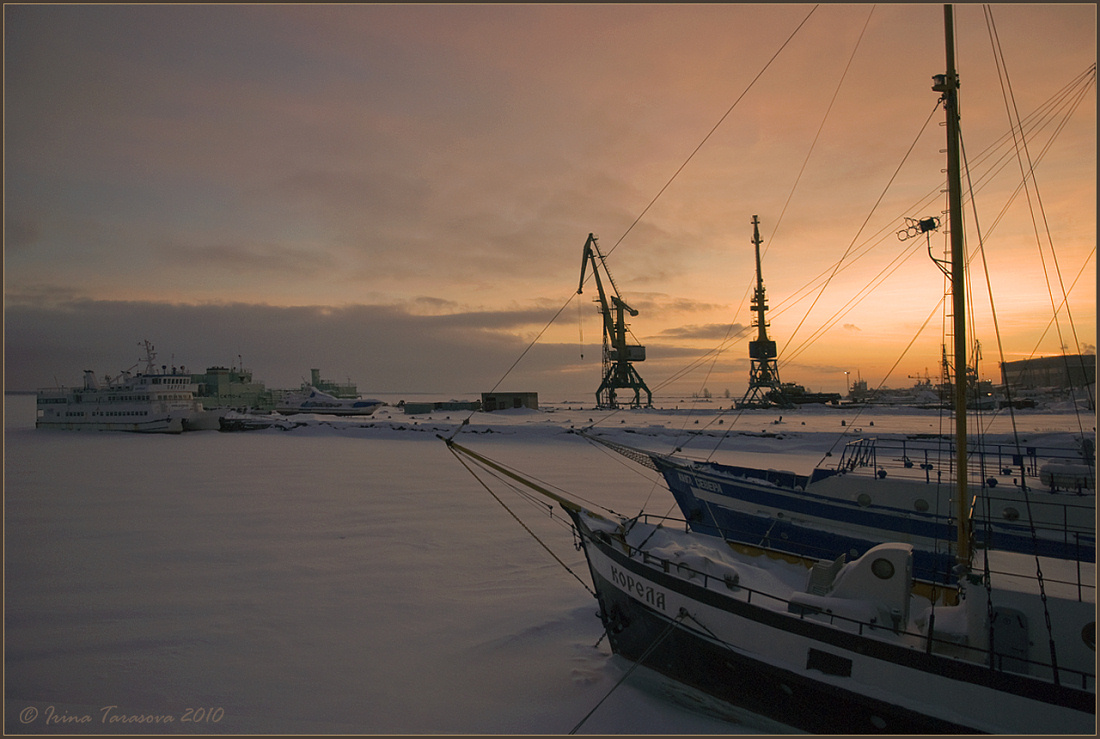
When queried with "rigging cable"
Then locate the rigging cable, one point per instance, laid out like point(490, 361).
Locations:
point(634, 665)
point(1010, 104)
point(820, 128)
point(790, 195)
point(1038, 120)
point(865, 221)
point(519, 521)
point(513, 365)
point(621, 458)
point(714, 128)
point(1088, 258)
point(1013, 114)
point(711, 133)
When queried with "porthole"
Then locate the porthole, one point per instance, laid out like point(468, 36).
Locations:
point(883, 568)
point(864, 499)
point(921, 504)
point(1011, 514)
point(878, 722)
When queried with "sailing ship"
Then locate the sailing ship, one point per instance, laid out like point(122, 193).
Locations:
point(849, 645)
point(155, 400)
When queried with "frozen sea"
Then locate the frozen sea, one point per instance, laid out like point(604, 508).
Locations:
point(350, 576)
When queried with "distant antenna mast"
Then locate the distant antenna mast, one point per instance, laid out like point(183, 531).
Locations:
point(764, 386)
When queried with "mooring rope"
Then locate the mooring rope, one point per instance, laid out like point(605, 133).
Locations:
point(649, 650)
point(518, 520)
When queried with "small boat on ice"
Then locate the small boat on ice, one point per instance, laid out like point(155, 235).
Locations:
point(237, 421)
point(312, 400)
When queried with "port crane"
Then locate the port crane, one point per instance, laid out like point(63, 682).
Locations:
point(764, 389)
point(618, 355)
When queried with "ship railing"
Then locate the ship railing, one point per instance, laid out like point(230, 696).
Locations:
point(934, 456)
point(1083, 542)
point(729, 586)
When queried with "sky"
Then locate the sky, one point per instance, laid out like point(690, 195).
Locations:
point(400, 195)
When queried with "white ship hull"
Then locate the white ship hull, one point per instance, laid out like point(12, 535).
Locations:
point(316, 401)
point(777, 651)
point(147, 402)
point(166, 425)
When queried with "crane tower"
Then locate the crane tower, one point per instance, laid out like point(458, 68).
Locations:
point(618, 356)
point(764, 387)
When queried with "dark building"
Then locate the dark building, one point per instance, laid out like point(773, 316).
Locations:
point(1063, 372)
point(440, 405)
point(505, 401)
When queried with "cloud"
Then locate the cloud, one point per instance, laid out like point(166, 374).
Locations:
point(709, 332)
point(386, 348)
point(248, 258)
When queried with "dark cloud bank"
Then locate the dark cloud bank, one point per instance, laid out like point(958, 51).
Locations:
point(383, 349)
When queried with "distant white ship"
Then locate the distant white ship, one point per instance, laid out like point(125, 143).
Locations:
point(312, 400)
point(152, 401)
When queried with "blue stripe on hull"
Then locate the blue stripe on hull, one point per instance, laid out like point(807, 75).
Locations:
point(818, 542)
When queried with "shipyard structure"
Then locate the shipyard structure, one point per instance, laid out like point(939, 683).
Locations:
point(235, 389)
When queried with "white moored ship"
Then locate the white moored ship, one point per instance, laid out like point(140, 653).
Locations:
point(157, 400)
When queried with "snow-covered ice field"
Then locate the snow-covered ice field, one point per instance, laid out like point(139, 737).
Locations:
point(349, 575)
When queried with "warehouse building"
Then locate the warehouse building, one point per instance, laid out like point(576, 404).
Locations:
point(1061, 372)
point(506, 401)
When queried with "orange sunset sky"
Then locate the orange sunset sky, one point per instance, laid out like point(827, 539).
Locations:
point(400, 194)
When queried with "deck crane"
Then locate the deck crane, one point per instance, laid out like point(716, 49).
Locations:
point(618, 356)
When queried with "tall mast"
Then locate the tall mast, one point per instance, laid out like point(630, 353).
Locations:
point(948, 84)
